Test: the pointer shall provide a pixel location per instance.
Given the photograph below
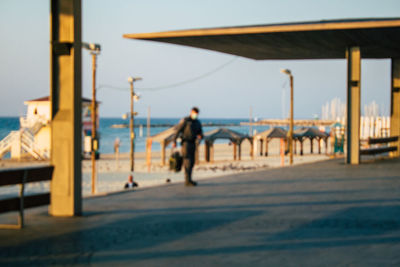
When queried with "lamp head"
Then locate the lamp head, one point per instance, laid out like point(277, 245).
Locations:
point(94, 48)
point(134, 79)
point(286, 71)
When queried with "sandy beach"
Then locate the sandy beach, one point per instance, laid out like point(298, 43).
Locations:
point(112, 174)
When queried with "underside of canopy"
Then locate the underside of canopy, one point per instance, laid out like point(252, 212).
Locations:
point(377, 38)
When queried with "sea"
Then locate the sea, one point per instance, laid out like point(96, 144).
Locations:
point(108, 134)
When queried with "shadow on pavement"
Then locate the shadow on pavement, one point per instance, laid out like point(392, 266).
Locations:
point(371, 225)
point(349, 223)
point(133, 232)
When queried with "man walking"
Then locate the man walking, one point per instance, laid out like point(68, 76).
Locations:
point(190, 132)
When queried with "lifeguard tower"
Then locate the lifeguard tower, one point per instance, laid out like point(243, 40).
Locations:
point(33, 137)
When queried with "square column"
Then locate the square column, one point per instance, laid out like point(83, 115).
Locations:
point(395, 104)
point(66, 105)
point(353, 56)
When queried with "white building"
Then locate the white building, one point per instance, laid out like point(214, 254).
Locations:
point(33, 137)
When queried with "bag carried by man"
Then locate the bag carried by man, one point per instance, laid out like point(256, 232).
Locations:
point(175, 161)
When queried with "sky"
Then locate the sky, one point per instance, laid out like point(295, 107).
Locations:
point(229, 92)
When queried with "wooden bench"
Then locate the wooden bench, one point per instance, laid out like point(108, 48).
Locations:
point(21, 177)
point(380, 149)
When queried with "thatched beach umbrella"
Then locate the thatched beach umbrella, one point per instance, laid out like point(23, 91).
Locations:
point(266, 136)
point(310, 133)
point(164, 138)
point(223, 133)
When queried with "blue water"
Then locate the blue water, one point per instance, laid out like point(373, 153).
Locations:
point(108, 134)
point(8, 124)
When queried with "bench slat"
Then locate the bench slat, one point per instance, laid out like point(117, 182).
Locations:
point(35, 174)
point(377, 150)
point(382, 140)
point(12, 204)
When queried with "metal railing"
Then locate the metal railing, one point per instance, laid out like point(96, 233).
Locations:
point(6, 143)
point(26, 142)
point(33, 122)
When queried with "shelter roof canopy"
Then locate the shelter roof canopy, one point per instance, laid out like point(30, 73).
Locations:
point(166, 136)
point(275, 132)
point(309, 132)
point(224, 133)
point(378, 38)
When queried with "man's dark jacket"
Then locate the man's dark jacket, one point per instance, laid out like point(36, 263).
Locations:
point(188, 130)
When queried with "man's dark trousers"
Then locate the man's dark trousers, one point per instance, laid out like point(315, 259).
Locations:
point(188, 154)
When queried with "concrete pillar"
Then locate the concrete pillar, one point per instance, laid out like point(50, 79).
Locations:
point(395, 104)
point(266, 146)
point(234, 151)
point(261, 146)
point(66, 105)
point(311, 145)
point(353, 56)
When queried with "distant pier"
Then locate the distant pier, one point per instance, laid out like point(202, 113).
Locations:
point(207, 124)
point(285, 122)
point(271, 122)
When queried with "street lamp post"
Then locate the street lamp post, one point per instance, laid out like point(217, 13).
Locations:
point(94, 51)
point(290, 134)
point(131, 80)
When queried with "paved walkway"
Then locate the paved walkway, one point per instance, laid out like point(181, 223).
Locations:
point(323, 214)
